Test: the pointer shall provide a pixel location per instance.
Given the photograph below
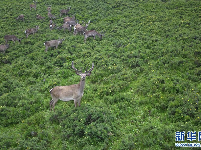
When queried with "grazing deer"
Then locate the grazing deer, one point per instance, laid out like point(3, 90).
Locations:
point(64, 11)
point(67, 19)
point(52, 26)
point(3, 48)
point(39, 17)
point(71, 92)
point(66, 26)
point(80, 29)
point(51, 16)
point(31, 31)
point(11, 38)
point(72, 23)
point(91, 33)
point(20, 17)
point(33, 5)
point(52, 43)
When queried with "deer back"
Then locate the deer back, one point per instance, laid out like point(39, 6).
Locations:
point(52, 43)
point(66, 26)
point(11, 38)
point(20, 17)
point(33, 5)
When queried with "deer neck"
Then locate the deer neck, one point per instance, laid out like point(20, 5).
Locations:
point(82, 84)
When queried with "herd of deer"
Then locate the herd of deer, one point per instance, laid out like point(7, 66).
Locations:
point(69, 22)
point(64, 93)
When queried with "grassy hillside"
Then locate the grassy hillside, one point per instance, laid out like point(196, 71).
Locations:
point(145, 85)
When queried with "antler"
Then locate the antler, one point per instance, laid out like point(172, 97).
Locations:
point(77, 71)
point(88, 73)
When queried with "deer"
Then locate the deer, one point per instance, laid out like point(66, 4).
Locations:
point(39, 17)
point(11, 38)
point(52, 43)
point(80, 29)
point(71, 92)
point(31, 31)
point(68, 19)
point(33, 5)
point(64, 11)
point(51, 25)
point(49, 8)
point(3, 48)
point(91, 33)
point(66, 26)
point(50, 15)
point(20, 17)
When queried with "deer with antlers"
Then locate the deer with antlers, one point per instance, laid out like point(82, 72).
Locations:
point(80, 29)
point(71, 92)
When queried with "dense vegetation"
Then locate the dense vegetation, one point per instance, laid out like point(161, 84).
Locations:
point(145, 85)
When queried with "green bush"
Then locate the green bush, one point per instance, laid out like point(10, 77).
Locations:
point(88, 124)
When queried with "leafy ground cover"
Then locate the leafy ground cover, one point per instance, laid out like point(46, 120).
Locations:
point(145, 85)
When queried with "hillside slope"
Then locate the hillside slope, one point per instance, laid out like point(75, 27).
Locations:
point(145, 85)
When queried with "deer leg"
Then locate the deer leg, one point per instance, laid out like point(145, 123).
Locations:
point(79, 102)
point(51, 103)
point(75, 102)
point(54, 102)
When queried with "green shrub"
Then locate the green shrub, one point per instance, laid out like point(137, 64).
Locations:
point(88, 124)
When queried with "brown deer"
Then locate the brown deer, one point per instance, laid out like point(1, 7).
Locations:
point(31, 31)
point(33, 5)
point(64, 11)
point(80, 29)
point(11, 38)
point(20, 17)
point(52, 43)
point(66, 26)
point(71, 92)
point(39, 17)
point(72, 23)
point(67, 19)
point(3, 48)
point(51, 16)
point(91, 33)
